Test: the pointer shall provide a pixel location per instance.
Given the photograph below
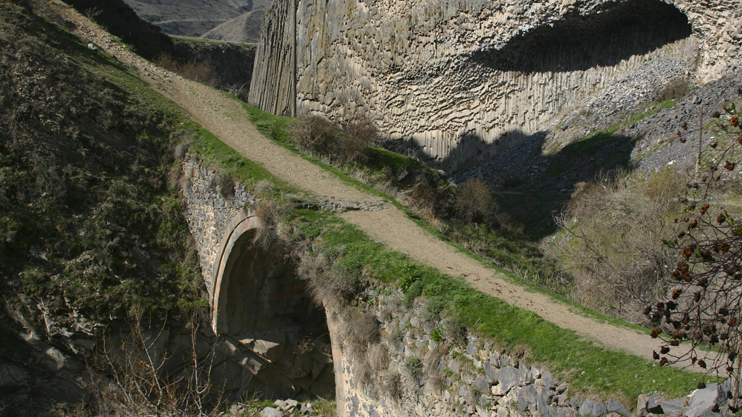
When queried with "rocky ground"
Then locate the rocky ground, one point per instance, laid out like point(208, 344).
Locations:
point(603, 133)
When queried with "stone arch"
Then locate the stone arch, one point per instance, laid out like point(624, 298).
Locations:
point(262, 311)
point(255, 286)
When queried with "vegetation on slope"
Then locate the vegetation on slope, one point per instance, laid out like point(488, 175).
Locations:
point(90, 225)
point(344, 262)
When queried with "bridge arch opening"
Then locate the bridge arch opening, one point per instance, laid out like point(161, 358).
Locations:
point(262, 305)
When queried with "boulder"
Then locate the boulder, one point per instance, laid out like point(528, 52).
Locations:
point(490, 373)
point(508, 378)
point(269, 350)
point(271, 412)
point(481, 383)
point(654, 404)
point(590, 407)
point(701, 402)
point(614, 406)
point(673, 408)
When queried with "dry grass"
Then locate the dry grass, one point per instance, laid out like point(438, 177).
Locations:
point(474, 200)
point(224, 184)
point(611, 240)
point(343, 145)
point(271, 214)
point(360, 330)
point(393, 385)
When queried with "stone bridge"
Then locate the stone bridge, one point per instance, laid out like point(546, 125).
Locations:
point(265, 321)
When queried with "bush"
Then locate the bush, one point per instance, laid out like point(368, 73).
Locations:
point(610, 240)
point(346, 145)
point(415, 366)
point(474, 201)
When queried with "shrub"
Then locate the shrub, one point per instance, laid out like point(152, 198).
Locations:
point(474, 200)
point(434, 307)
point(415, 366)
point(224, 184)
point(611, 240)
point(346, 145)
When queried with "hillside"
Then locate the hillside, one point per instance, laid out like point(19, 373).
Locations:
point(96, 233)
point(228, 20)
point(244, 28)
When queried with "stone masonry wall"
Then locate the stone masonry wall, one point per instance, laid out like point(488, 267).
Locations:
point(209, 213)
point(416, 369)
point(457, 81)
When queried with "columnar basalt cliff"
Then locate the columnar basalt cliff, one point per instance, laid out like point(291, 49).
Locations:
point(450, 82)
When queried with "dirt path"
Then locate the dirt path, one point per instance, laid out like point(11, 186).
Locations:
point(226, 119)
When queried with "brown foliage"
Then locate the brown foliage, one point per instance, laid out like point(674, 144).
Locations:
point(612, 245)
point(348, 144)
point(474, 200)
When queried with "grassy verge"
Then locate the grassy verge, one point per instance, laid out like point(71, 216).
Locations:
point(589, 368)
point(278, 128)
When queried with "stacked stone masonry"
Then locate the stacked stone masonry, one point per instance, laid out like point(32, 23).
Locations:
point(473, 377)
point(209, 213)
point(453, 82)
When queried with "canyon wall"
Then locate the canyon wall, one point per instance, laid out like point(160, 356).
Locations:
point(457, 81)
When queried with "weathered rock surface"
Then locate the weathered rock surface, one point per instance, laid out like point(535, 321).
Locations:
point(455, 82)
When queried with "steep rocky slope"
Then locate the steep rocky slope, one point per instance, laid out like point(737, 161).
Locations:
point(191, 17)
point(243, 28)
point(454, 83)
point(90, 228)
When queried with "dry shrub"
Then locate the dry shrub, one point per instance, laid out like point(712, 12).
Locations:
point(360, 330)
point(432, 363)
point(611, 240)
point(378, 357)
point(393, 385)
point(270, 214)
point(675, 89)
point(224, 184)
point(349, 144)
point(474, 200)
point(455, 330)
point(264, 186)
point(327, 287)
point(180, 150)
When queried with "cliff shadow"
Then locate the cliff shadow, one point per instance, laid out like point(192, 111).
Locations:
point(532, 187)
point(577, 43)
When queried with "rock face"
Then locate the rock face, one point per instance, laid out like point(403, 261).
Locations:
point(454, 82)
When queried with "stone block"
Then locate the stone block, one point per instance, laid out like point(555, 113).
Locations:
point(616, 407)
point(271, 412)
point(702, 401)
point(673, 408)
point(508, 378)
point(490, 373)
point(653, 404)
point(590, 407)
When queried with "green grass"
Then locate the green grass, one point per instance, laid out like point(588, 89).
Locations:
point(589, 368)
point(215, 154)
point(278, 129)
